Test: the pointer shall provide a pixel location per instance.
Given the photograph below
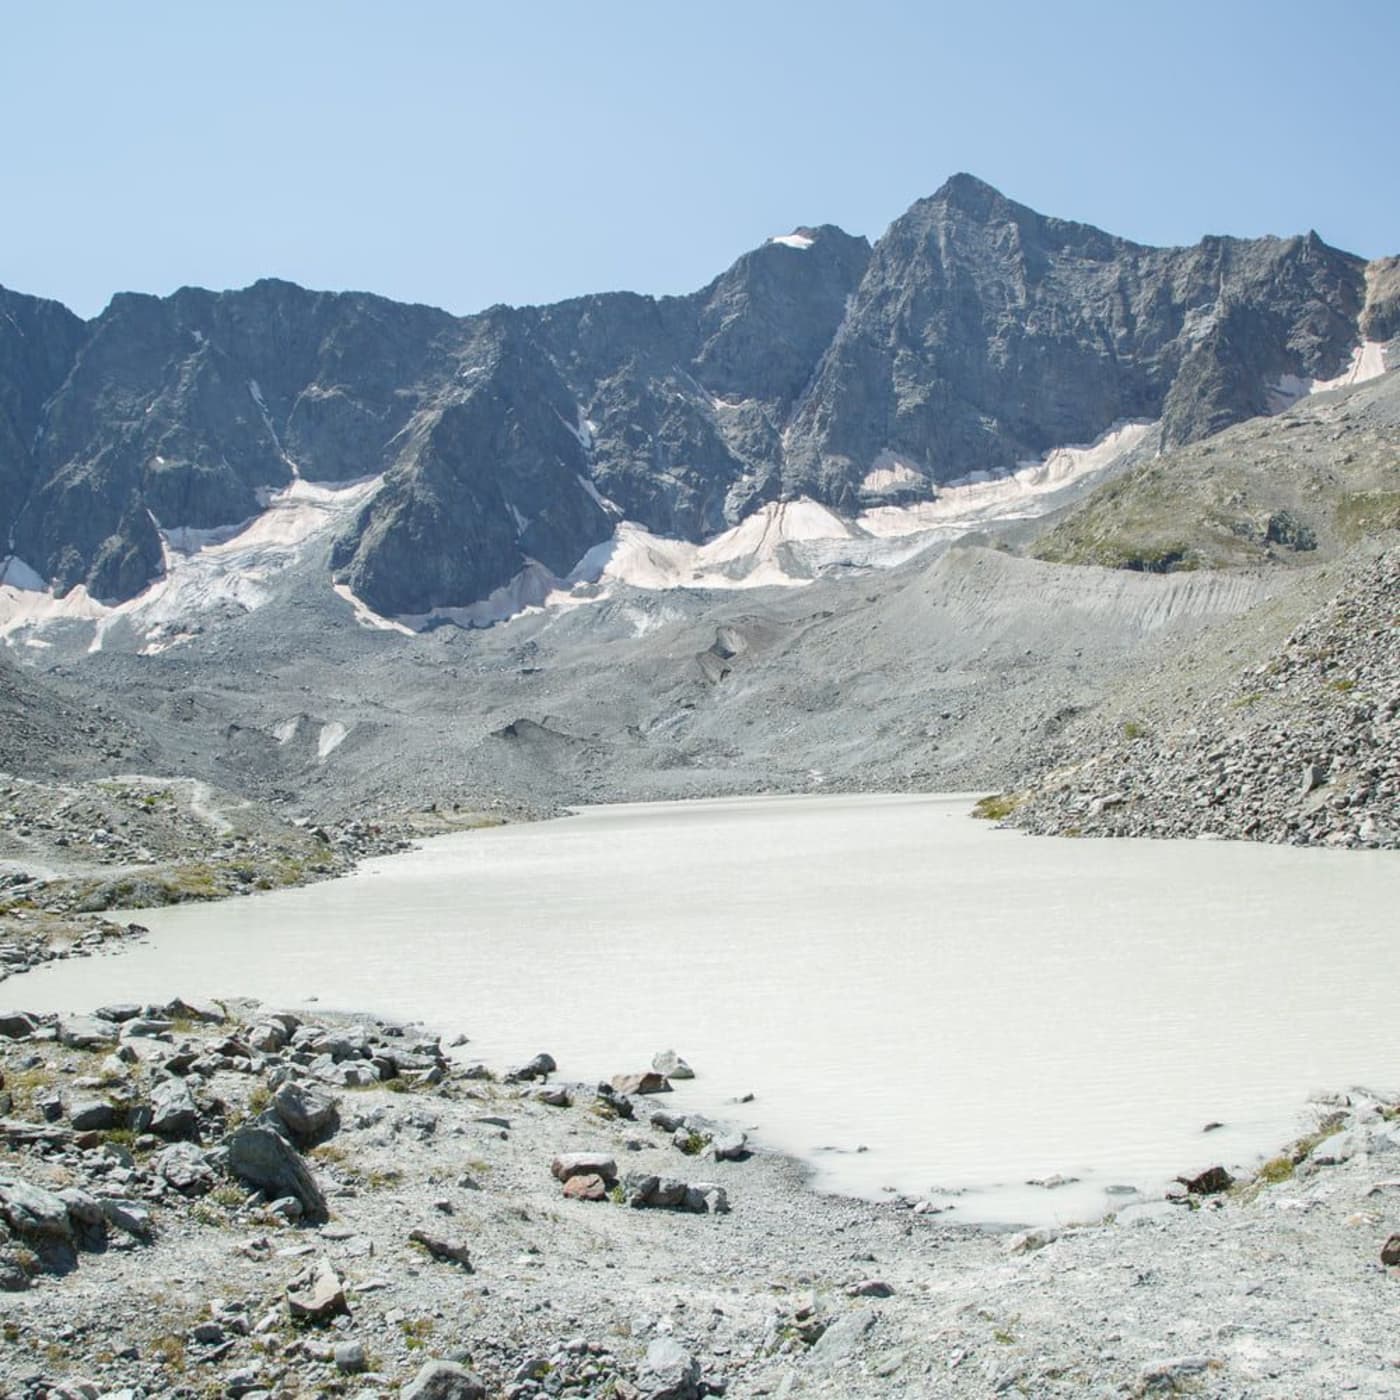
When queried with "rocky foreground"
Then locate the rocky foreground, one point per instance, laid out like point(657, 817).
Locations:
point(1302, 749)
point(224, 1200)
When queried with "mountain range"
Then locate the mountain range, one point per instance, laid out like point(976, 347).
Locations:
point(974, 337)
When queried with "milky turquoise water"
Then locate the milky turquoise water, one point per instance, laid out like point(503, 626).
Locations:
point(973, 1007)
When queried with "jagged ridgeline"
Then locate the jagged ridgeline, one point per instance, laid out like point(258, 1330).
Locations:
point(975, 335)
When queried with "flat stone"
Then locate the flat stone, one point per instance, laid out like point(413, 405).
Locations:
point(586, 1188)
point(450, 1251)
point(648, 1082)
point(17, 1025)
point(316, 1294)
point(97, 1114)
point(86, 1033)
point(732, 1147)
point(569, 1164)
point(33, 1212)
point(127, 1216)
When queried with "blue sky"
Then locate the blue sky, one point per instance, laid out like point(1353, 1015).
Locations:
point(464, 154)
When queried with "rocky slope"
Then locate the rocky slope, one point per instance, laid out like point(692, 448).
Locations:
point(1302, 746)
point(975, 334)
point(295, 1204)
point(1296, 489)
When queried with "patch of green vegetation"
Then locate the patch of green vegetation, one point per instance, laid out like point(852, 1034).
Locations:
point(259, 1099)
point(1133, 730)
point(997, 806)
point(1361, 513)
point(1253, 697)
point(1343, 684)
point(1276, 1169)
point(416, 1331)
point(170, 1352)
point(228, 1195)
point(693, 1143)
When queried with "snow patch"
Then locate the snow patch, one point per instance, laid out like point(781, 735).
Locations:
point(1367, 362)
point(331, 737)
point(799, 241)
point(204, 570)
point(15, 573)
point(365, 615)
point(890, 472)
point(285, 732)
point(981, 497)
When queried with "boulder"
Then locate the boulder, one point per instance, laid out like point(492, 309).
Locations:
point(1210, 1182)
point(450, 1251)
point(1390, 1252)
point(586, 1188)
point(267, 1160)
point(444, 1380)
point(669, 1064)
point(569, 1164)
point(173, 1111)
point(316, 1294)
point(649, 1082)
point(86, 1033)
point(95, 1115)
point(32, 1212)
point(308, 1113)
point(17, 1025)
point(185, 1167)
point(118, 1011)
point(134, 1219)
point(732, 1147)
point(669, 1372)
point(538, 1068)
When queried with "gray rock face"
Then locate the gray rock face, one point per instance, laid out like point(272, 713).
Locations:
point(984, 333)
point(173, 1111)
point(307, 1113)
point(270, 1162)
point(975, 334)
point(32, 1212)
point(669, 1372)
point(444, 1380)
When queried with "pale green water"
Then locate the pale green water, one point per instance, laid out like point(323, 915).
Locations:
point(976, 1007)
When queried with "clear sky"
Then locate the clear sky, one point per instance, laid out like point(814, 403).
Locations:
point(463, 154)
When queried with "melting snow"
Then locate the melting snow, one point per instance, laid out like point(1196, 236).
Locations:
point(890, 472)
point(1367, 362)
point(204, 569)
point(331, 737)
point(982, 496)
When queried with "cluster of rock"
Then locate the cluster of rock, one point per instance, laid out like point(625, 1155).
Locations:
point(22, 950)
point(1304, 749)
point(130, 1128)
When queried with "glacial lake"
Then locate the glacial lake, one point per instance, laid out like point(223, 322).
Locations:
point(917, 1002)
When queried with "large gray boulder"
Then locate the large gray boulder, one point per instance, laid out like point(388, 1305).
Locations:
point(173, 1110)
point(669, 1372)
point(307, 1113)
point(444, 1380)
point(33, 1212)
point(267, 1160)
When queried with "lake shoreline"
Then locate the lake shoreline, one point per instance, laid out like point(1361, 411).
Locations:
point(764, 1285)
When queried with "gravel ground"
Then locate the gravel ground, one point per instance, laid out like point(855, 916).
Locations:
point(1272, 1287)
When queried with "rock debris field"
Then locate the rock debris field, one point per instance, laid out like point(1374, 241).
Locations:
point(225, 1200)
point(1302, 749)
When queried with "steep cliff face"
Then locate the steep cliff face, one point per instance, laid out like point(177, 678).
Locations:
point(38, 342)
point(984, 334)
point(974, 335)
